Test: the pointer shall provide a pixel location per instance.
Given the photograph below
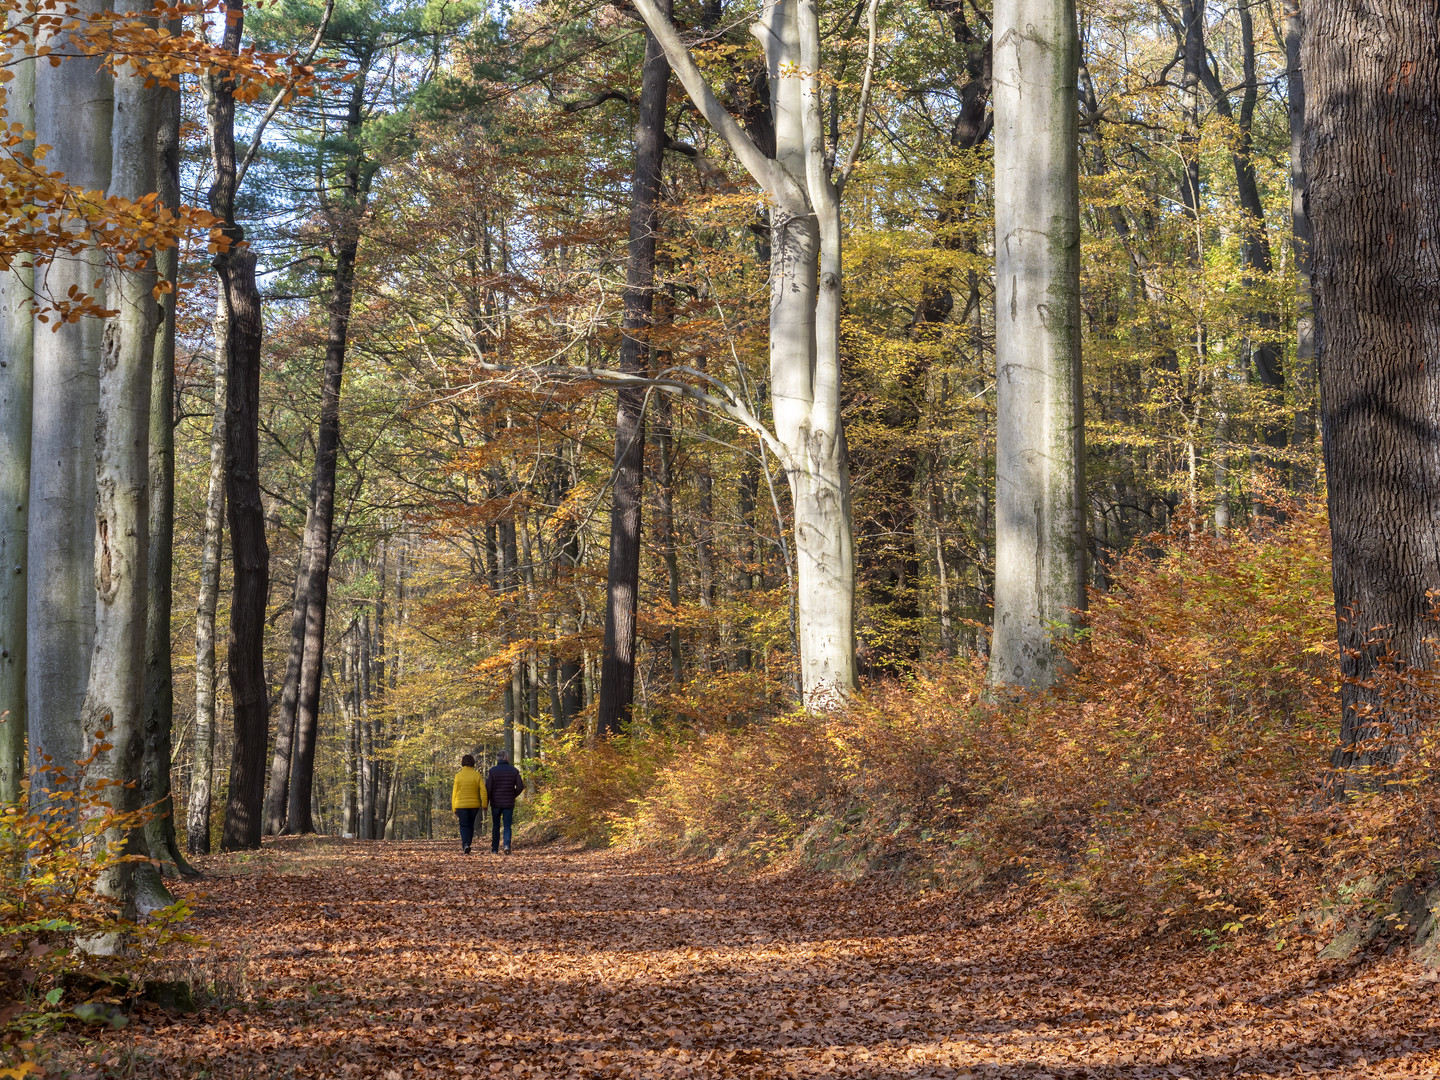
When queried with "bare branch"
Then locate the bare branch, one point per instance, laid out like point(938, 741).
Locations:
point(283, 97)
point(766, 172)
point(861, 116)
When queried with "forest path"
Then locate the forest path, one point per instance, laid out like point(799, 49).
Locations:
point(401, 960)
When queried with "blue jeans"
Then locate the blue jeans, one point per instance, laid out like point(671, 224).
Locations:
point(497, 815)
point(466, 815)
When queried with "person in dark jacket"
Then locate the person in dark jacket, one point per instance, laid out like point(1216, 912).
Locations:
point(503, 784)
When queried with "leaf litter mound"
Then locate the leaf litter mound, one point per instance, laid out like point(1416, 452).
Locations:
point(404, 960)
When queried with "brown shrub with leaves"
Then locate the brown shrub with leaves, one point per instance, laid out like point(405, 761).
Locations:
point(1179, 775)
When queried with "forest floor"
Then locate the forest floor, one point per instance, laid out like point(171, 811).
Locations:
point(397, 960)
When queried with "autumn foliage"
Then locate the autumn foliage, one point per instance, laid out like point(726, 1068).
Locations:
point(1180, 775)
point(70, 951)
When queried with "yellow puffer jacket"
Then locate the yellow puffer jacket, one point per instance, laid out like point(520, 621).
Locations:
point(468, 791)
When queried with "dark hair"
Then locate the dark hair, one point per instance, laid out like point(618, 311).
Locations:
point(468, 761)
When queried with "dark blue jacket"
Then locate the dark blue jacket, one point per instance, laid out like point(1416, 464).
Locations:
point(504, 785)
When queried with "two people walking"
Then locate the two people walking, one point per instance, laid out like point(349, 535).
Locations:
point(498, 790)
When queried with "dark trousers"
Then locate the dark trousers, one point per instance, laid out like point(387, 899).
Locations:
point(466, 815)
point(497, 815)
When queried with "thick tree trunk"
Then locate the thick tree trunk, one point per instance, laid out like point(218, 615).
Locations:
point(72, 116)
point(617, 673)
point(249, 694)
point(805, 284)
point(1372, 107)
point(17, 343)
point(112, 715)
point(1039, 458)
point(159, 711)
point(202, 756)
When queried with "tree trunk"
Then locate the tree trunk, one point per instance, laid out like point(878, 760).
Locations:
point(72, 116)
point(1307, 327)
point(112, 715)
point(327, 447)
point(249, 695)
point(235, 268)
point(348, 815)
point(1039, 454)
point(277, 798)
point(1372, 107)
point(805, 284)
point(17, 343)
point(369, 775)
point(617, 674)
point(202, 769)
point(159, 710)
point(665, 435)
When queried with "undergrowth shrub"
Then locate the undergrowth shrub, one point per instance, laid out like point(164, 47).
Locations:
point(588, 791)
point(1179, 774)
point(68, 952)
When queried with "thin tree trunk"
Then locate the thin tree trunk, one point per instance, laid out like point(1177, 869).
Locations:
point(203, 746)
point(348, 814)
point(327, 445)
point(72, 116)
point(159, 710)
point(617, 674)
point(1039, 453)
point(665, 523)
point(277, 797)
point(250, 580)
point(370, 775)
point(1307, 325)
point(1372, 107)
point(17, 343)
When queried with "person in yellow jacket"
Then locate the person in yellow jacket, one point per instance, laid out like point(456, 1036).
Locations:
point(467, 799)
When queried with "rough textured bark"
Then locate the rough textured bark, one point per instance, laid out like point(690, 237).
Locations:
point(1372, 107)
point(1039, 452)
point(159, 710)
point(250, 553)
point(327, 446)
point(235, 268)
point(112, 715)
point(617, 671)
point(17, 342)
point(202, 754)
point(72, 115)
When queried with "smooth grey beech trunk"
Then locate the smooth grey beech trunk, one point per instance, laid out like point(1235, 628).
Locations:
point(72, 116)
point(115, 697)
point(17, 342)
point(805, 283)
point(202, 755)
point(1039, 443)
